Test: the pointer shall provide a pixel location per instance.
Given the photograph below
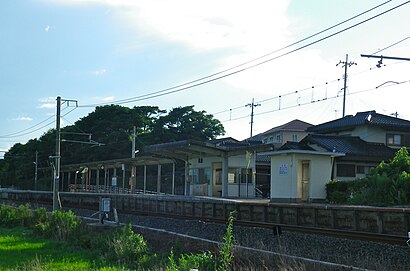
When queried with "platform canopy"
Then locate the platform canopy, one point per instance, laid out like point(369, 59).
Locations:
point(117, 163)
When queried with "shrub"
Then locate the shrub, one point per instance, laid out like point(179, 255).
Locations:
point(11, 216)
point(61, 225)
point(127, 248)
point(202, 261)
point(337, 191)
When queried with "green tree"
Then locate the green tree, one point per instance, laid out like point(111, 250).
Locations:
point(185, 123)
point(111, 125)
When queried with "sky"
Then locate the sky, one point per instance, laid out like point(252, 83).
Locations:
point(221, 54)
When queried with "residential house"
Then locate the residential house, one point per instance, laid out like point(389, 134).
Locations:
point(292, 131)
point(346, 148)
point(367, 138)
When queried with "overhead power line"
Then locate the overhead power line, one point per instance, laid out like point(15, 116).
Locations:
point(299, 91)
point(281, 108)
point(218, 75)
point(29, 131)
point(394, 44)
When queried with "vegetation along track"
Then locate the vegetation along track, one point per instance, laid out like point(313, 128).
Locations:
point(276, 228)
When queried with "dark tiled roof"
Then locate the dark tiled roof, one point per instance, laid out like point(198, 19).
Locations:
point(294, 125)
point(351, 146)
point(223, 140)
point(295, 146)
point(262, 158)
point(362, 118)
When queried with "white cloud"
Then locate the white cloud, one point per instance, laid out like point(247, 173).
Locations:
point(47, 99)
point(47, 28)
point(204, 24)
point(106, 99)
point(47, 105)
point(23, 119)
point(99, 72)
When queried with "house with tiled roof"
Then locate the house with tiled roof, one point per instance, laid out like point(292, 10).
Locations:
point(345, 149)
point(369, 126)
point(292, 131)
point(366, 138)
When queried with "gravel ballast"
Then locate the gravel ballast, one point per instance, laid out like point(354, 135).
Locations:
point(361, 254)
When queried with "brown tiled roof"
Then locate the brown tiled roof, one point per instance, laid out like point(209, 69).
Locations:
point(294, 125)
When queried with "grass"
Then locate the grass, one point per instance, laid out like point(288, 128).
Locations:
point(20, 250)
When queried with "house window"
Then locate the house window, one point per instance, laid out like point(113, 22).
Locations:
point(394, 139)
point(346, 170)
point(360, 169)
point(295, 138)
point(278, 138)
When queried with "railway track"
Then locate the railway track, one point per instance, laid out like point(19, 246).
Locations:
point(310, 246)
point(276, 228)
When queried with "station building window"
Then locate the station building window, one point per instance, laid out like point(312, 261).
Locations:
point(242, 175)
point(200, 175)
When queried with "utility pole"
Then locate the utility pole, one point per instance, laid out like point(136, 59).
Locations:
point(35, 171)
point(252, 106)
point(134, 135)
point(345, 64)
point(57, 157)
point(133, 169)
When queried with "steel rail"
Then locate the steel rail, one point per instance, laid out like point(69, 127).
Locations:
point(337, 233)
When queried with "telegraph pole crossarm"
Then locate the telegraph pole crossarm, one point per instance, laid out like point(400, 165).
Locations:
point(386, 57)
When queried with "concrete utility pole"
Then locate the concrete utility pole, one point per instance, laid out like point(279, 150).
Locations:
point(57, 157)
point(345, 64)
point(134, 135)
point(252, 106)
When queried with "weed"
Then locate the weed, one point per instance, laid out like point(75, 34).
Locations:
point(225, 252)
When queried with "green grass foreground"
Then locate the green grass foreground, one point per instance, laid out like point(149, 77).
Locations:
point(21, 250)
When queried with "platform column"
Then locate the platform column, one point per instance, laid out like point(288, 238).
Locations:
point(159, 180)
point(145, 179)
point(173, 178)
point(225, 167)
point(97, 182)
point(68, 181)
point(186, 191)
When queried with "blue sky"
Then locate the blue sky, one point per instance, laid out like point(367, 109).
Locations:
point(102, 51)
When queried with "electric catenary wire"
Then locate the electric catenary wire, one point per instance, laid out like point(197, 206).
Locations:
point(394, 44)
point(21, 133)
point(317, 101)
point(191, 85)
point(299, 91)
